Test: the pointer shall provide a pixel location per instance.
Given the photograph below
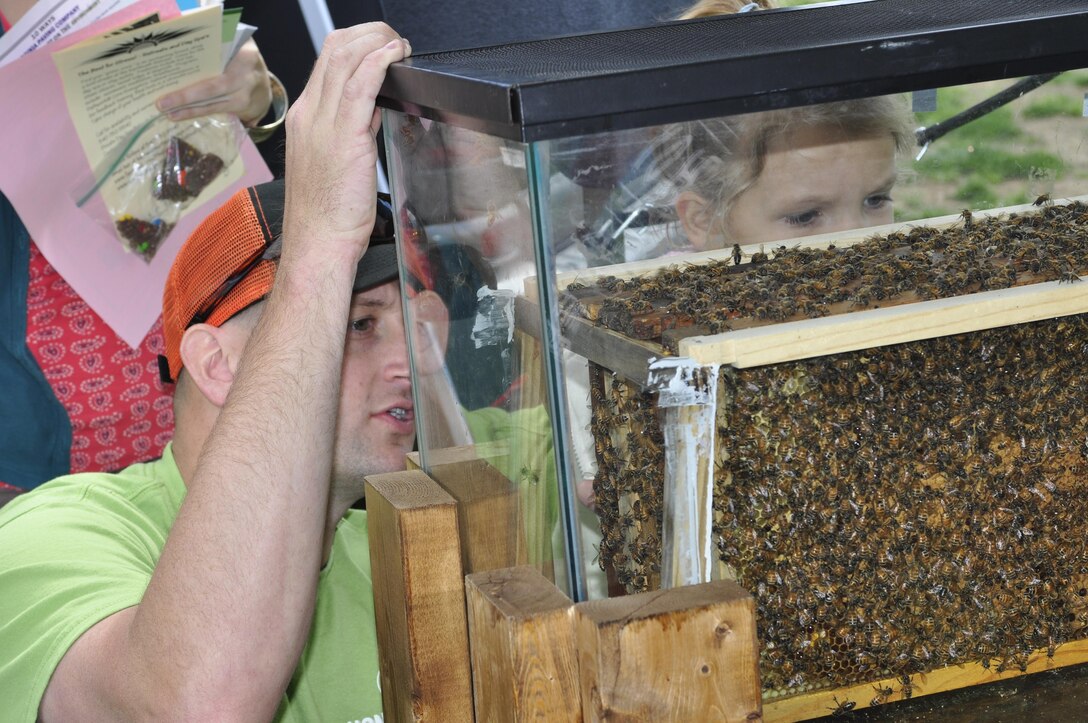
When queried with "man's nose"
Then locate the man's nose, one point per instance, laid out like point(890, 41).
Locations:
point(393, 353)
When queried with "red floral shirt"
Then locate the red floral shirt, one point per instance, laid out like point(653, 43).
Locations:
point(120, 410)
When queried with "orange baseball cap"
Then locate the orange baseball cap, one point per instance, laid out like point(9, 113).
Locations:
point(229, 263)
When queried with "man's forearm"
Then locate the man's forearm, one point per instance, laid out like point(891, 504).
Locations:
point(237, 578)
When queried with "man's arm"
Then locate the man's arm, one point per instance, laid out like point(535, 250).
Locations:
point(228, 610)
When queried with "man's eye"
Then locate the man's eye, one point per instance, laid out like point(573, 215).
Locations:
point(364, 324)
point(806, 218)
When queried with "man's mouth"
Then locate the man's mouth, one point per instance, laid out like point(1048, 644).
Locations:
point(400, 414)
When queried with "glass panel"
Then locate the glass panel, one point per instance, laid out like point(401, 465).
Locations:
point(467, 235)
point(851, 474)
point(569, 268)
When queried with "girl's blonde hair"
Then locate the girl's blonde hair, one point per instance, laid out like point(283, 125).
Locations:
point(720, 158)
point(710, 8)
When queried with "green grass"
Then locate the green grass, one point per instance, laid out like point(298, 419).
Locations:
point(997, 125)
point(986, 163)
point(1054, 106)
point(1074, 78)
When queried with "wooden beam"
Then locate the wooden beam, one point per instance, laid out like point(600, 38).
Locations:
point(882, 327)
point(419, 599)
point(822, 702)
point(685, 654)
point(490, 524)
point(524, 665)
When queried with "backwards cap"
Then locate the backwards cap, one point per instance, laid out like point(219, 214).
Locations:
point(220, 247)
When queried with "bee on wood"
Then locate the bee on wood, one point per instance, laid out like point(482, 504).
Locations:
point(967, 219)
point(882, 695)
point(1043, 200)
point(907, 689)
point(840, 708)
point(737, 254)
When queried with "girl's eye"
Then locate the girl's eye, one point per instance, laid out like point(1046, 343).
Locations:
point(877, 201)
point(365, 324)
point(806, 218)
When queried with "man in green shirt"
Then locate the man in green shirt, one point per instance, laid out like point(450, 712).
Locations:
point(229, 580)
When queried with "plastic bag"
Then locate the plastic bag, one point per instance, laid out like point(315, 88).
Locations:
point(158, 175)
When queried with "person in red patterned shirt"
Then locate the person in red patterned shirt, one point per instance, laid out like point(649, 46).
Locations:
point(77, 397)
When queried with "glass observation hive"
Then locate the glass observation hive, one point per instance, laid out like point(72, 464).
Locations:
point(795, 297)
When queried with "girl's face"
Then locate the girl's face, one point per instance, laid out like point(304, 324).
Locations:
point(814, 180)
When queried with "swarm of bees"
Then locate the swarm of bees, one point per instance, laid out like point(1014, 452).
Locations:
point(921, 263)
point(894, 510)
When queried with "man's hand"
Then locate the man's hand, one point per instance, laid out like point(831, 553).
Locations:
point(331, 147)
point(242, 89)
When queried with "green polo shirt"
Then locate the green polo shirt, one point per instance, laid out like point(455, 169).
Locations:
point(83, 547)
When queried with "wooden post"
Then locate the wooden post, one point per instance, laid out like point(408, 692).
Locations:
point(521, 633)
point(489, 522)
point(419, 599)
point(683, 654)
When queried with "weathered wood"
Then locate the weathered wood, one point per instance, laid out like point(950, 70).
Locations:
point(627, 357)
point(419, 603)
point(822, 702)
point(528, 463)
point(521, 632)
point(490, 524)
point(685, 654)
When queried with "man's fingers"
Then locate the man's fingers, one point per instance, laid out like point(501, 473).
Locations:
point(339, 39)
point(331, 151)
point(355, 104)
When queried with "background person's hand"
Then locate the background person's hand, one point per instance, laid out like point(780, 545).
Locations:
point(584, 491)
point(242, 89)
point(332, 151)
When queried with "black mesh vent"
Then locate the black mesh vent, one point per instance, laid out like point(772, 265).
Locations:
point(700, 41)
point(580, 84)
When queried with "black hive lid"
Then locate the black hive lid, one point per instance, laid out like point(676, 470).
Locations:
point(678, 71)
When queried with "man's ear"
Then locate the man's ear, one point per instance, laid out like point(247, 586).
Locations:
point(210, 356)
point(694, 214)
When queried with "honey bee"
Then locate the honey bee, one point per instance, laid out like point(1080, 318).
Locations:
point(844, 707)
point(907, 689)
point(882, 695)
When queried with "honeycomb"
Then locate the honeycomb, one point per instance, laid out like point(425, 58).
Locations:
point(893, 510)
